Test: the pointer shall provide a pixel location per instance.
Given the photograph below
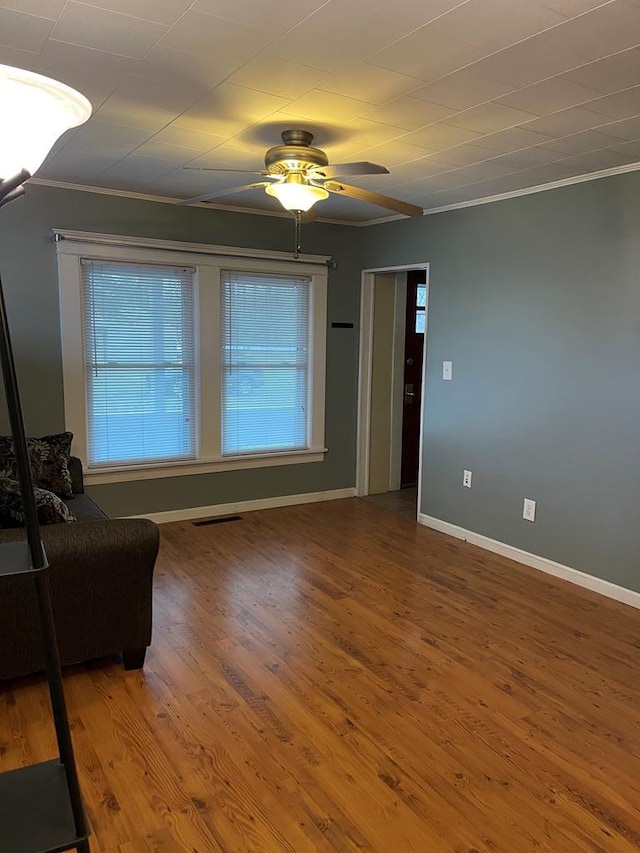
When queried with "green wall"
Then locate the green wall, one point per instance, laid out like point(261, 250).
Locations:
point(536, 300)
point(28, 268)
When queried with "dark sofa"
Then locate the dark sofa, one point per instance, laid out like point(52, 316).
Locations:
point(101, 589)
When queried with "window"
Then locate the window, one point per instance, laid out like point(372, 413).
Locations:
point(140, 375)
point(265, 362)
point(189, 360)
point(421, 304)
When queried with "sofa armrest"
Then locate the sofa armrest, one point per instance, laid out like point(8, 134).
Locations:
point(101, 580)
point(122, 543)
point(126, 540)
point(77, 480)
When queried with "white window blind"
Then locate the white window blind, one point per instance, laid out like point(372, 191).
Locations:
point(139, 333)
point(265, 362)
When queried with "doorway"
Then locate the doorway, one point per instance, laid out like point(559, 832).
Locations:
point(414, 332)
point(394, 305)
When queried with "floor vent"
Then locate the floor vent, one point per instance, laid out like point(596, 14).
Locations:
point(223, 520)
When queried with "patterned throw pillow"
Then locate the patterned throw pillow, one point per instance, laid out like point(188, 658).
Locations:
point(49, 457)
point(51, 510)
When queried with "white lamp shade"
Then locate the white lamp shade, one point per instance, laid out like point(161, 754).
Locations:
point(36, 111)
point(296, 196)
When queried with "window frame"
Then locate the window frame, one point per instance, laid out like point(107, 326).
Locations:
point(209, 261)
point(94, 276)
point(232, 285)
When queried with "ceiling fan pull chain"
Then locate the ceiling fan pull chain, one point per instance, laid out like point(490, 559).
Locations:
point(296, 253)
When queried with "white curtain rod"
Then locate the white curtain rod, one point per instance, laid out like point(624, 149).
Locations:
point(179, 246)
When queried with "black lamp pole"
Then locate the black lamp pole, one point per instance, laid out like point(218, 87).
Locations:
point(10, 190)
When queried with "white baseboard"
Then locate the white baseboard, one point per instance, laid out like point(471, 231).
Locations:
point(606, 588)
point(245, 506)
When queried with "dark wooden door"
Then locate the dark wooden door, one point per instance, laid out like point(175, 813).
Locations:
point(413, 350)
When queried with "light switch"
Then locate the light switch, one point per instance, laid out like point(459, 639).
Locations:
point(447, 370)
point(529, 509)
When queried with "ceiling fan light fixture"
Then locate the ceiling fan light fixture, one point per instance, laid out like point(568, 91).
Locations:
point(295, 194)
point(38, 110)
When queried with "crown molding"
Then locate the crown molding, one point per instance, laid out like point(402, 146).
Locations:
point(381, 220)
point(162, 199)
point(539, 188)
point(565, 182)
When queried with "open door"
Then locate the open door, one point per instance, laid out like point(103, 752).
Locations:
point(393, 324)
point(415, 326)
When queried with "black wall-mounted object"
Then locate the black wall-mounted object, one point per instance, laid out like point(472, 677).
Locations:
point(342, 325)
point(203, 522)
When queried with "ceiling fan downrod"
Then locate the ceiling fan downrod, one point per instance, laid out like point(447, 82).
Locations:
point(296, 251)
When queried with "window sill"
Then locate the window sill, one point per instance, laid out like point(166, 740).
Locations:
point(97, 476)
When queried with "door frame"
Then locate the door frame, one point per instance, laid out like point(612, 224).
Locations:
point(365, 367)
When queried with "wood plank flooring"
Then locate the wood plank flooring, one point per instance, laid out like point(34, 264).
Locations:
point(333, 677)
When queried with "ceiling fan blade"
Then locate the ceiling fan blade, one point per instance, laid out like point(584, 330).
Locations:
point(337, 170)
point(374, 198)
point(220, 193)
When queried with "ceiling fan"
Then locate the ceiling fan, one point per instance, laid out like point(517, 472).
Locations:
point(299, 175)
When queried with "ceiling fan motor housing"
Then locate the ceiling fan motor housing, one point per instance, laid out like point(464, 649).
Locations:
point(295, 155)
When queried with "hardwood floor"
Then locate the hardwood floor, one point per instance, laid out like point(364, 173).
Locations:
point(404, 501)
point(333, 677)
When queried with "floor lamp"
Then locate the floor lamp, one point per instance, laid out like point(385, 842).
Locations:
point(40, 805)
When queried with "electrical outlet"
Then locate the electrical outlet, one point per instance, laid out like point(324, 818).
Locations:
point(447, 370)
point(529, 510)
point(466, 479)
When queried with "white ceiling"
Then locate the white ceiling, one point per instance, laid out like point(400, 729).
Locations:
point(460, 100)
